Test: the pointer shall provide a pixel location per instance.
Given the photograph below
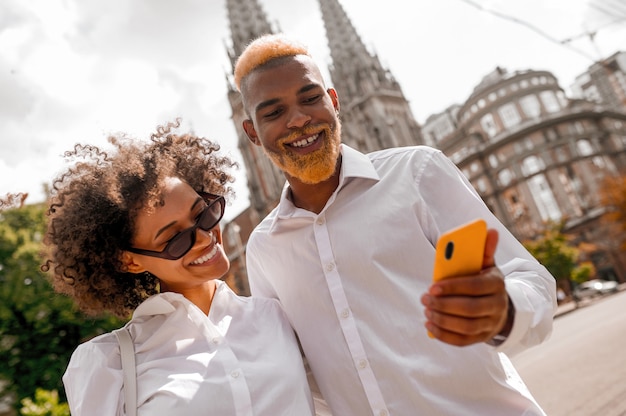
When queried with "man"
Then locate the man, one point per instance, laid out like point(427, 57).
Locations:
point(349, 253)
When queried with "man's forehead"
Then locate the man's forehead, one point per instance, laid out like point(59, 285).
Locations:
point(270, 83)
point(298, 65)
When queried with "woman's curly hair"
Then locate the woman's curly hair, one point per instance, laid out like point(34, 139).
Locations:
point(13, 200)
point(94, 203)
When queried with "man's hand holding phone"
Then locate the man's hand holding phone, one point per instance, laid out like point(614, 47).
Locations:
point(467, 302)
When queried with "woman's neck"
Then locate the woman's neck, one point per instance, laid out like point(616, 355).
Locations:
point(200, 295)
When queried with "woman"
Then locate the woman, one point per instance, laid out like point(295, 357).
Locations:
point(137, 229)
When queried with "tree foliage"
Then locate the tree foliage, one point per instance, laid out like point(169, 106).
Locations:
point(553, 250)
point(46, 403)
point(613, 197)
point(39, 329)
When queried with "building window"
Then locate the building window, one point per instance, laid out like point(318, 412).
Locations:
point(505, 177)
point(580, 129)
point(509, 115)
point(544, 198)
point(584, 147)
point(493, 160)
point(531, 165)
point(549, 101)
point(489, 125)
point(599, 162)
point(530, 106)
point(481, 185)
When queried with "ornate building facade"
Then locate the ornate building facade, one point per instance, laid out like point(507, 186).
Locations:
point(536, 156)
point(604, 82)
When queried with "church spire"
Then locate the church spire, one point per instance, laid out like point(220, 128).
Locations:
point(375, 113)
point(248, 21)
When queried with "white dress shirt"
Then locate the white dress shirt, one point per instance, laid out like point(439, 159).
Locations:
point(243, 359)
point(350, 280)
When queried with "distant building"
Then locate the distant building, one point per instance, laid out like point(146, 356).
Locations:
point(439, 126)
point(536, 156)
point(604, 82)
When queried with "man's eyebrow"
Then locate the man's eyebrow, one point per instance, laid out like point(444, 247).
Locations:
point(265, 104)
point(273, 101)
point(161, 230)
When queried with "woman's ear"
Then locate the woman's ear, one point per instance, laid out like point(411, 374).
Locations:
point(218, 234)
point(130, 263)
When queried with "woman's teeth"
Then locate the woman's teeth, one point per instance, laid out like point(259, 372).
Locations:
point(304, 142)
point(207, 256)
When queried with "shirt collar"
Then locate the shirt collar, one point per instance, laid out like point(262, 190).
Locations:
point(165, 303)
point(354, 164)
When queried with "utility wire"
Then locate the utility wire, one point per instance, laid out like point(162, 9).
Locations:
point(529, 26)
point(619, 8)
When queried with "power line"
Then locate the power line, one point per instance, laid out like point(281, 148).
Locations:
point(528, 26)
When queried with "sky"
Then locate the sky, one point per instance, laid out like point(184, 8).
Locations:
point(75, 71)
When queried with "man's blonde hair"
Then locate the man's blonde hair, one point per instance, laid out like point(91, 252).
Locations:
point(263, 50)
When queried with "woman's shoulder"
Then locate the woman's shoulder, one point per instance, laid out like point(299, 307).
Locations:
point(99, 348)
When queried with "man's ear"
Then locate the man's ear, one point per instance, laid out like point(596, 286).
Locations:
point(334, 98)
point(248, 127)
point(130, 264)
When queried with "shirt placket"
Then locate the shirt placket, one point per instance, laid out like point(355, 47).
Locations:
point(233, 373)
point(346, 319)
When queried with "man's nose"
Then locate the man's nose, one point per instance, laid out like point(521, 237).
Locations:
point(298, 118)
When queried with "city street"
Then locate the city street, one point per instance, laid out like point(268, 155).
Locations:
point(581, 369)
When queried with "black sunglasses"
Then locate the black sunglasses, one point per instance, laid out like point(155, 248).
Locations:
point(182, 242)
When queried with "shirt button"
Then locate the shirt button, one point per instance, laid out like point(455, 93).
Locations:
point(330, 267)
point(383, 413)
point(362, 365)
point(216, 340)
point(345, 313)
point(234, 374)
point(320, 221)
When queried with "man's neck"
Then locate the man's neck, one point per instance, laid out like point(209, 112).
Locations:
point(313, 197)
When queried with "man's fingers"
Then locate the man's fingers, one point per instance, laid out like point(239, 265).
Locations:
point(490, 248)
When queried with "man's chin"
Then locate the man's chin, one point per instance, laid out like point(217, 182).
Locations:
point(310, 175)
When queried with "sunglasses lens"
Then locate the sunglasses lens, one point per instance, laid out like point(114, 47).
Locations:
point(181, 244)
point(211, 216)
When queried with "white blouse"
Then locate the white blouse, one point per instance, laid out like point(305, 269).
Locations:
point(243, 359)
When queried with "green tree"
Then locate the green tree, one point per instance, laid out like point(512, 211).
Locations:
point(39, 329)
point(613, 197)
point(553, 250)
point(46, 403)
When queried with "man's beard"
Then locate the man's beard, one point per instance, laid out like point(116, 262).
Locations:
point(313, 167)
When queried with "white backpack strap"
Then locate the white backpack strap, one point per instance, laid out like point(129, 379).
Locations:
point(127, 351)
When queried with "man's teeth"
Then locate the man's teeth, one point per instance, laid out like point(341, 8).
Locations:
point(207, 256)
point(304, 142)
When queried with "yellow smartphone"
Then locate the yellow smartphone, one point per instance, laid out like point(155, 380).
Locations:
point(460, 251)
